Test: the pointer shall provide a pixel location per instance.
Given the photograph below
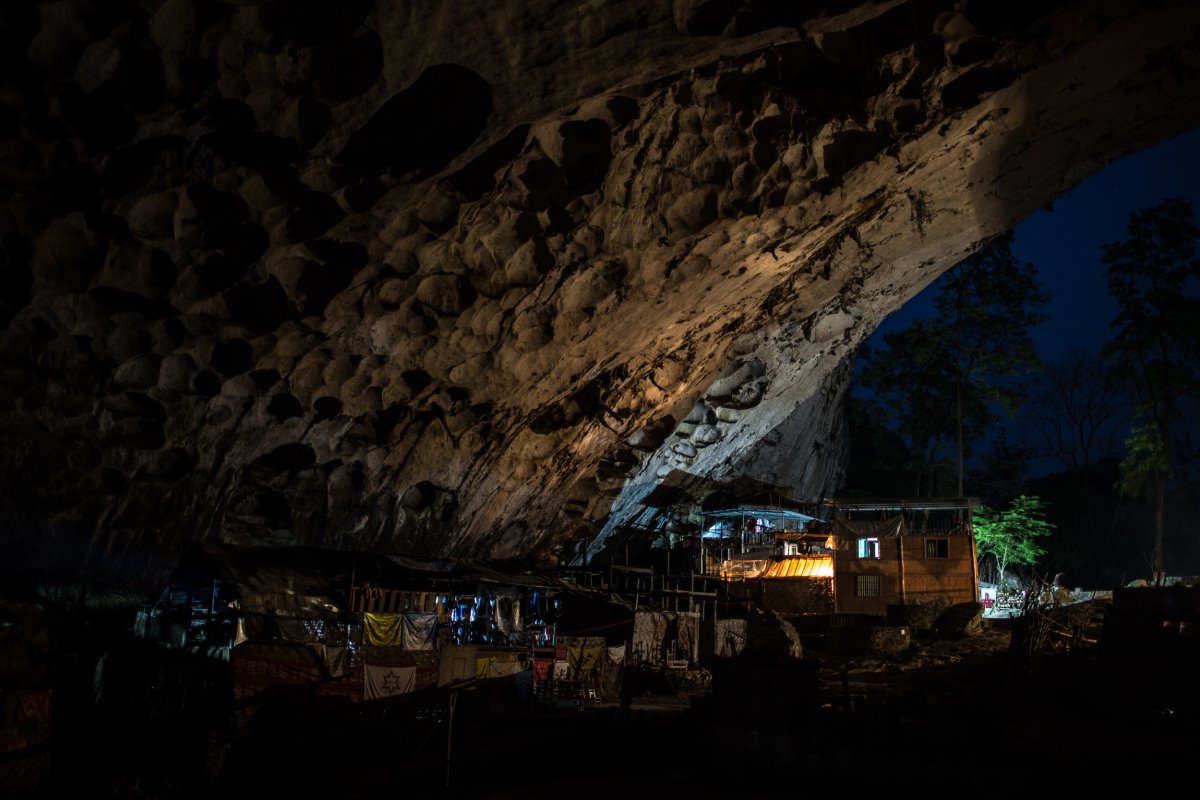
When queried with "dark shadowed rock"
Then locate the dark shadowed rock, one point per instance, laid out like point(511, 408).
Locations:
point(960, 619)
point(308, 272)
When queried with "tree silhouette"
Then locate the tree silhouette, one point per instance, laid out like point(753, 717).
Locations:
point(1081, 410)
point(942, 377)
point(1156, 346)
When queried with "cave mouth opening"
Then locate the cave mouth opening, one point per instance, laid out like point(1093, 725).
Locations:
point(1064, 242)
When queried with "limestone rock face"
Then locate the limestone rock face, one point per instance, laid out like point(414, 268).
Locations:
point(474, 278)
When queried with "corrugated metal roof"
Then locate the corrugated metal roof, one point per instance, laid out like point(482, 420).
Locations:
point(808, 566)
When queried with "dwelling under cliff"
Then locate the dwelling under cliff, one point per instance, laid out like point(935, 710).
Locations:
point(874, 556)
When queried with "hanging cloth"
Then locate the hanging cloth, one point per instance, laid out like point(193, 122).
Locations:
point(383, 630)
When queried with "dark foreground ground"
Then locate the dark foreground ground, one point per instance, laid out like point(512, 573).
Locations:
point(946, 710)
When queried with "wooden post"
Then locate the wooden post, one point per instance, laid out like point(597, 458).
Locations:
point(974, 560)
point(450, 732)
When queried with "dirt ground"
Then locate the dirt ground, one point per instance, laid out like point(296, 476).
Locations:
point(945, 709)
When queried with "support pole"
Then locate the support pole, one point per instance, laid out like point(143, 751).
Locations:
point(450, 732)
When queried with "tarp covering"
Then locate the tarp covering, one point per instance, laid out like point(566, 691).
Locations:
point(486, 571)
point(420, 630)
point(383, 630)
point(26, 717)
point(760, 512)
point(508, 611)
point(583, 661)
point(729, 638)
point(614, 672)
point(498, 665)
point(303, 581)
point(269, 628)
point(335, 659)
point(286, 605)
point(854, 528)
point(799, 536)
point(741, 569)
point(658, 635)
point(806, 566)
point(259, 666)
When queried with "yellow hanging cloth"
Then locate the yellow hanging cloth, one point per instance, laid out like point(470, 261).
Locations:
point(383, 630)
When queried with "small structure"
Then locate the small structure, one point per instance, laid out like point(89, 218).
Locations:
point(776, 558)
point(901, 552)
point(739, 541)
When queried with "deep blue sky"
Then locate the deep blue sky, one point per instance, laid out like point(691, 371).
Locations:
point(1064, 244)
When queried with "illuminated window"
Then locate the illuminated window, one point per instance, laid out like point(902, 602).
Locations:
point(866, 586)
point(868, 548)
point(937, 548)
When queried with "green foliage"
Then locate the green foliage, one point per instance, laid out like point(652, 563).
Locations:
point(1145, 464)
point(1010, 536)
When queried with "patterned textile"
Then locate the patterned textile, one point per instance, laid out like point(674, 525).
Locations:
point(420, 630)
point(380, 682)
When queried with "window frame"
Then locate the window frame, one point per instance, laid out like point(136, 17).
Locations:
point(873, 553)
point(868, 586)
point(936, 543)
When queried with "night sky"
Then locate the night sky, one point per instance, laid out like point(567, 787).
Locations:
point(1064, 244)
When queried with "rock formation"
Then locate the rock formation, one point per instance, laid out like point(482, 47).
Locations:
point(471, 278)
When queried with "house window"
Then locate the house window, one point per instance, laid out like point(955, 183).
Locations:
point(937, 548)
point(866, 586)
point(868, 548)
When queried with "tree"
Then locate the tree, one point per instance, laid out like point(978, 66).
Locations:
point(942, 377)
point(907, 382)
point(1156, 348)
point(988, 306)
point(1002, 471)
point(880, 459)
point(1010, 536)
point(1080, 410)
point(1079, 419)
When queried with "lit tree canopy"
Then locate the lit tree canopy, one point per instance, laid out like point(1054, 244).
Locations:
point(1010, 535)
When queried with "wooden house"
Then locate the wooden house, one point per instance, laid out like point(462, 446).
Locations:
point(871, 557)
point(892, 553)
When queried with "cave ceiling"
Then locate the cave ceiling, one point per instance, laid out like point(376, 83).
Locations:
point(475, 278)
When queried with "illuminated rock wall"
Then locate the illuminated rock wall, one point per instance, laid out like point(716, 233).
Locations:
point(473, 278)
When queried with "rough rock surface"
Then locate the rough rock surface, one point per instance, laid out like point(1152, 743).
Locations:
point(467, 278)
